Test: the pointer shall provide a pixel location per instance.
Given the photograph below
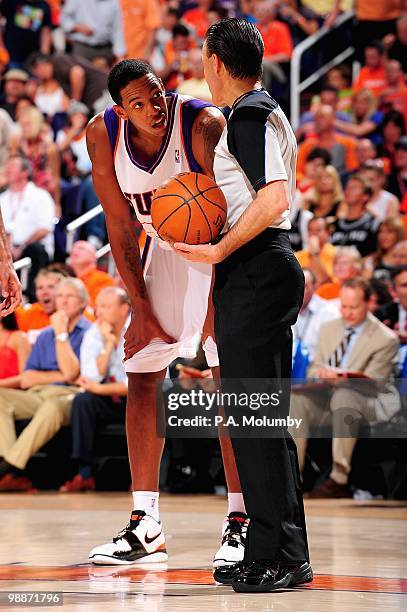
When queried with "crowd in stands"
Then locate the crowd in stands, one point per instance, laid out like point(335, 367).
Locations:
point(61, 353)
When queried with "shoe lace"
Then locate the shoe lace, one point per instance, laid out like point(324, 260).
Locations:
point(235, 531)
point(131, 526)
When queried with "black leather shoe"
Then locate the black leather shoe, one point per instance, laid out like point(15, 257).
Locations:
point(262, 577)
point(227, 573)
point(300, 572)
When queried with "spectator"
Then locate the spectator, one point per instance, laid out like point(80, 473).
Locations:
point(49, 377)
point(394, 315)
point(83, 261)
point(325, 199)
point(339, 78)
point(398, 45)
point(347, 264)
point(397, 181)
point(382, 203)
point(394, 96)
point(95, 29)
point(27, 29)
point(366, 120)
point(316, 160)
point(319, 254)
point(359, 346)
point(391, 231)
point(380, 294)
point(72, 139)
point(198, 18)
point(104, 381)
point(28, 214)
point(394, 128)
point(50, 98)
point(365, 151)
point(374, 20)
point(14, 88)
point(299, 219)
point(196, 85)
point(42, 153)
point(6, 130)
point(140, 41)
point(302, 21)
point(314, 312)
point(14, 350)
point(340, 147)
point(329, 97)
point(170, 17)
point(359, 227)
point(398, 254)
point(79, 78)
point(372, 75)
point(176, 57)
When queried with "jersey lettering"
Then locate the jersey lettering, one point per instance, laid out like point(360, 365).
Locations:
point(141, 201)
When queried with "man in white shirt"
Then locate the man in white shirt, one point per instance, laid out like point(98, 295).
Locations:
point(314, 312)
point(29, 215)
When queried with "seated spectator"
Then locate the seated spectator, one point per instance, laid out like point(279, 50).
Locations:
point(176, 57)
point(394, 315)
point(48, 379)
point(359, 227)
point(398, 254)
point(339, 77)
point(14, 88)
point(340, 147)
point(325, 199)
point(328, 97)
point(170, 16)
point(36, 145)
point(355, 345)
point(14, 350)
point(104, 381)
point(83, 261)
point(319, 254)
point(382, 203)
point(397, 48)
point(299, 219)
point(50, 98)
point(347, 264)
point(140, 41)
point(379, 264)
point(366, 119)
point(365, 152)
point(397, 181)
point(372, 75)
point(314, 312)
point(71, 140)
point(316, 160)
point(394, 128)
point(195, 85)
point(198, 18)
point(28, 215)
point(380, 294)
point(32, 318)
point(27, 29)
point(394, 96)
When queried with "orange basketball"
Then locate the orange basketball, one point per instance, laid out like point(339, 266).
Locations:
point(188, 208)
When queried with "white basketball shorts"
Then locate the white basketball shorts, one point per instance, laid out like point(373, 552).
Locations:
point(178, 291)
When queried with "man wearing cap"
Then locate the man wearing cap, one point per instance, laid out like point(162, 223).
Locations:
point(14, 88)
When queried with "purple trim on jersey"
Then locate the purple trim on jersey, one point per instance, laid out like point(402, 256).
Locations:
point(190, 111)
point(130, 149)
point(145, 252)
point(112, 125)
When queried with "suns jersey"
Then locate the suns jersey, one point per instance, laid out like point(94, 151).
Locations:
point(137, 181)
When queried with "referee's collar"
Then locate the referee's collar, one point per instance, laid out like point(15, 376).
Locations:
point(245, 95)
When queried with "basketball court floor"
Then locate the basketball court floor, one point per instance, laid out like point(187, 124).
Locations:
point(358, 552)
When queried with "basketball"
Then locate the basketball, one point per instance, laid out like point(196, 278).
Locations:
point(188, 208)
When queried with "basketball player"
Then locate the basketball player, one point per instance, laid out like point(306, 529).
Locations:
point(10, 287)
point(257, 272)
point(135, 146)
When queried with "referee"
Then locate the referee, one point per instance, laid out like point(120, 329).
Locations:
point(257, 295)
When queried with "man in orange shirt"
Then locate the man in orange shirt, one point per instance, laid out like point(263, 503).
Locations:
point(319, 254)
point(372, 75)
point(198, 17)
point(394, 96)
point(141, 19)
point(341, 148)
point(83, 261)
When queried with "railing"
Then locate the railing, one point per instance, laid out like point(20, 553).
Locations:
point(297, 87)
point(24, 265)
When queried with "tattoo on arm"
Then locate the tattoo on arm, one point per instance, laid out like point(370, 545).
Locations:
point(132, 260)
point(211, 129)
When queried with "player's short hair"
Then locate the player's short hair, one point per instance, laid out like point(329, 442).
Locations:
point(123, 73)
point(239, 45)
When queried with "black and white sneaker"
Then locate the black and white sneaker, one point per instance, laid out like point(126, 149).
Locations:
point(141, 541)
point(233, 542)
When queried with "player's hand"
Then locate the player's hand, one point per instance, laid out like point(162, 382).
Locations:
point(142, 329)
point(204, 253)
point(10, 289)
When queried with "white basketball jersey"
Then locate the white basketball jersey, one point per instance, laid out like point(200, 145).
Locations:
point(137, 181)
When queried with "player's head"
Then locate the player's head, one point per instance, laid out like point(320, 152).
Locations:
point(139, 96)
point(233, 50)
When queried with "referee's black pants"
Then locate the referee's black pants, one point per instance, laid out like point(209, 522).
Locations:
point(257, 295)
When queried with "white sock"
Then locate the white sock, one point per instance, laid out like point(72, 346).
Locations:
point(236, 503)
point(147, 501)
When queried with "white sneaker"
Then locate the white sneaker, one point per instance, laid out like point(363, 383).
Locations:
point(233, 540)
point(141, 541)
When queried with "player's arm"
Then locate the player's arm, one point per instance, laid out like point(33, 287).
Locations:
point(206, 131)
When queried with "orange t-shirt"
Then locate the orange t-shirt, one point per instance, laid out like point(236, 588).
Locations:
point(329, 291)
point(198, 19)
point(398, 100)
point(378, 10)
point(305, 148)
point(94, 281)
point(371, 78)
point(31, 316)
point(277, 39)
point(140, 17)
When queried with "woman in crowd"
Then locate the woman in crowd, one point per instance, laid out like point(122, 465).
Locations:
point(393, 128)
point(382, 204)
point(325, 199)
point(14, 351)
point(391, 232)
point(366, 119)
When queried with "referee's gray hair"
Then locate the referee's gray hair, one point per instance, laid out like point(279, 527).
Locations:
point(76, 284)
